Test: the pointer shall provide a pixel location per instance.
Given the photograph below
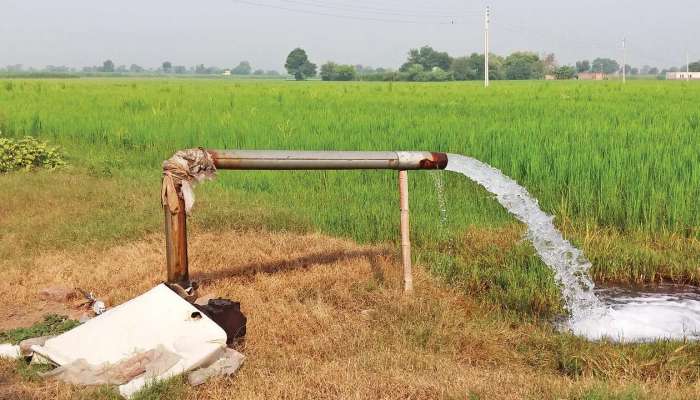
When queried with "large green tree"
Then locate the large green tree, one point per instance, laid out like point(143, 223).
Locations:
point(108, 66)
point(694, 66)
point(583, 66)
point(565, 72)
point(523, 65)
point(428, 58)
point(605, 65)
point(298, 64)
point(462, 69)
point(472, 67)
point(243, 68)
point(331, 71)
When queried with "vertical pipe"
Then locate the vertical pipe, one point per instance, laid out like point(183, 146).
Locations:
point(405, 233)
point(176, 245)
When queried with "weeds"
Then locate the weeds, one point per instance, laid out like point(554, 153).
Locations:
point(171, 389)
point(50, 326)
point(28, 153)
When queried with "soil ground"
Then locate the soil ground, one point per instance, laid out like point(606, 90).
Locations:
point(326, 319)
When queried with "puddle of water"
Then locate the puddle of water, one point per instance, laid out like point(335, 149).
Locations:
point(643, 314)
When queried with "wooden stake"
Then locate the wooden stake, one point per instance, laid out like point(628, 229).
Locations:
point(405, 233)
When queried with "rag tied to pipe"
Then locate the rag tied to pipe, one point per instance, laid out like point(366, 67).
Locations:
point(185, 169)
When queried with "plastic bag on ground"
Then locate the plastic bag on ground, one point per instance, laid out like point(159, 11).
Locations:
point(228, 364)
point(152, 363)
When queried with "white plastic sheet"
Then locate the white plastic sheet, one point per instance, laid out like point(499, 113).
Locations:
point(157, 318)
point(9, 351)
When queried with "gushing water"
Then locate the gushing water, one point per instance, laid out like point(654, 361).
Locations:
point(442, 200)
point(630, 318)
point(568, 263)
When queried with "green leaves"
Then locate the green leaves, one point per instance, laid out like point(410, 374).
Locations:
point(28, 153)
point(51, 325)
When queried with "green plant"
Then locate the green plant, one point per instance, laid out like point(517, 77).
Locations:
point(28, 153)
point(171, 389)
point(31, 372)
point(51, 325)
point(617, 169)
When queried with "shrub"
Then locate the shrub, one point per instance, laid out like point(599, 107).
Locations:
point(331, 71)
point(27, 153)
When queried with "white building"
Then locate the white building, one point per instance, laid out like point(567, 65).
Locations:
point(227, 72)
point(675, 76)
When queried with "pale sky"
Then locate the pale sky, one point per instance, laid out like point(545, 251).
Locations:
point(377, 33)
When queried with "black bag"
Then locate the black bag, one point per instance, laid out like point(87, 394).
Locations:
point(227, 314)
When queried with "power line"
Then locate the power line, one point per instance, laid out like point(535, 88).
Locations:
point(377, 10)
point(346, 16)
point(400, 5)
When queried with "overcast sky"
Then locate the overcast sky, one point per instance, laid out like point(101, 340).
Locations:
point(378, 33)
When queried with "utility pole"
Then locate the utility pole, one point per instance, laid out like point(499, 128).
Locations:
point(624, 60)
point(687, 66)
point(486, 46)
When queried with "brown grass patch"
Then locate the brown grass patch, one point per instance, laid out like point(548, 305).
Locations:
point(327, 319)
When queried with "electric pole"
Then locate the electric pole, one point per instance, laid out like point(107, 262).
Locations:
point(624, 60)
point(486, 46)
point(687, 66)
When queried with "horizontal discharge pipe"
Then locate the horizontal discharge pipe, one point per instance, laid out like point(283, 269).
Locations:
point(185, 165)
point(330, 160)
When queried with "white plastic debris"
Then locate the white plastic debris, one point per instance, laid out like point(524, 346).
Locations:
point(8, 350)
point(158, 319)
point(98, 307)
point(25, 346)
point(186, 169)
point(225, 366)
point(151, 363)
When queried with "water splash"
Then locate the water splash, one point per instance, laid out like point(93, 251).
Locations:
point(622, 316)
point(569, 264)
point(643, 314)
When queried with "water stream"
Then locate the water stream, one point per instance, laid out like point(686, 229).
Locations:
point(593, 313)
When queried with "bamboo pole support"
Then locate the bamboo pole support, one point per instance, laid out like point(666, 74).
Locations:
point(405, 233)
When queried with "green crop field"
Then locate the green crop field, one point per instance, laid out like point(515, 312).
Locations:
point(617, 166)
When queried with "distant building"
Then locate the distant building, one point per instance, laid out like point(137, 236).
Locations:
point(550, 78)
point(227, 72)
point(676, 76)
point(592, 76)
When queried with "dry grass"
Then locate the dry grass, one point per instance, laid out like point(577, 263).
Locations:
point(327, 319)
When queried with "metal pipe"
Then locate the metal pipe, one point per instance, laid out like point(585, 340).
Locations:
point(176, 221)
point(338, 160)
point(405, 233)
point(176, 245)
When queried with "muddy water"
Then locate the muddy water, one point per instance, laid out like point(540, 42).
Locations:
point(618, 314)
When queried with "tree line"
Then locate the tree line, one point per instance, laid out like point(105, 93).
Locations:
point(422, 65)
point(426, 64)
point(167, 67)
